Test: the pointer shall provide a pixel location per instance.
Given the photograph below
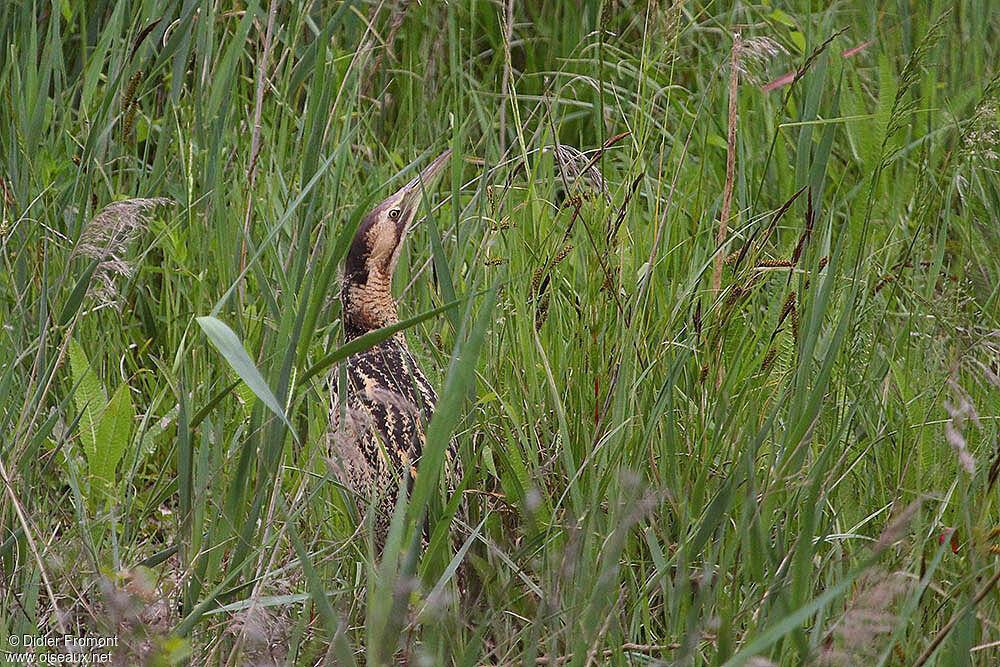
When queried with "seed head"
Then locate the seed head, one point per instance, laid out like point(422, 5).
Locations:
point(108, 237)
point(536, 279)
point(542, 312)
point(768, 359)
point(562, 254)
point(775, 264)
point(788, 306)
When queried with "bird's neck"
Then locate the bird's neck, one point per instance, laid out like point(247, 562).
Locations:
point(368, 306)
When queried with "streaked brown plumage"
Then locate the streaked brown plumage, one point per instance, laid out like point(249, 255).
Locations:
point(388, 399)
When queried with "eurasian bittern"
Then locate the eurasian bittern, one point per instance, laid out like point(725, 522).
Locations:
point(388, 398)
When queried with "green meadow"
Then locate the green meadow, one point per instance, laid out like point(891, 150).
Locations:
point(708, 291)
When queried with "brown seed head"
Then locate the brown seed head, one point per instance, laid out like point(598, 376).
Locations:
point(562, 254)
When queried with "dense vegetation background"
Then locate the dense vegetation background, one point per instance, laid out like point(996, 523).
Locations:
point(777, 449)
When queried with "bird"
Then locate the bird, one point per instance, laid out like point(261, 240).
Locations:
point(379, 424)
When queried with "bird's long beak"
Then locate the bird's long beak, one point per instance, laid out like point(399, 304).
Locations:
point(412, 193)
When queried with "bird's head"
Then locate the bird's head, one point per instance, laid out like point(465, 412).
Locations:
point(373, 255)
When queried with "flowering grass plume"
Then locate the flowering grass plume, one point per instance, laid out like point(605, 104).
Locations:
point(752, 56)
point(984, 137)
point(578, 170)
point(860, 633)
point(108, 237)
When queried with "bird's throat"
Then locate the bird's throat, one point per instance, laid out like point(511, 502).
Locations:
point(368, 306)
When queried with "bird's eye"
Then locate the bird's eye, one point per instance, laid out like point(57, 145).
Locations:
point(394, 213)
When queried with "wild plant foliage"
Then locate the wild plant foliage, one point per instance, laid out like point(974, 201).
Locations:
point(708, 296)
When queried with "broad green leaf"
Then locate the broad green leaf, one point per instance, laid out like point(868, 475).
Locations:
point(113, 436)
point(782, 17)
point(90, 398)
point(717, 141)
point(799, 40)
point(226, 342)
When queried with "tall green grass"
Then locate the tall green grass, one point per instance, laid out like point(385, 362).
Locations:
point(800, 468)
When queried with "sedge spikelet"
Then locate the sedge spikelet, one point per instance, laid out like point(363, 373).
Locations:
point(735, 292)
point(129, 121)
point(990, 540)
point(787, 307)
point(605, 19)
point(536, 279)
point(731, 258)
point(129, 103)
point(822, 263)
point(562, 254)
point(607, 285)
point(542, 313)
point(574, 201)
point(885, 280)
point(768, 359)
point(797, 254)
point(129, 96)
point(492, 261)
point(775, 264)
